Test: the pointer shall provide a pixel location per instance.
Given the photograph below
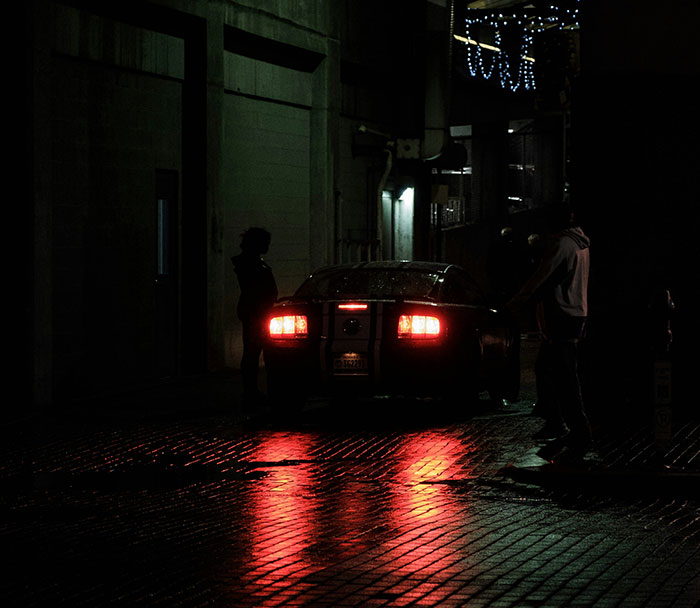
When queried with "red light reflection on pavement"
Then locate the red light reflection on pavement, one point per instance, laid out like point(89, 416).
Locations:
point(396, 518)
point(428, 517)
point(283, 522)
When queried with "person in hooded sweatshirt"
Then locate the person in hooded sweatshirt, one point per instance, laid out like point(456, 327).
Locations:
point(258, 294)
point(559, 286)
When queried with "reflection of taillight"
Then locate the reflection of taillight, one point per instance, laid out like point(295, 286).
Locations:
point(418, 326)
point(289, 326)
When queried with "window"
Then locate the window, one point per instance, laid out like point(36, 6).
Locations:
point(163, 238)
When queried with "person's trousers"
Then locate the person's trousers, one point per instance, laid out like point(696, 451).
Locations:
point(250, 361)
point(560, 386)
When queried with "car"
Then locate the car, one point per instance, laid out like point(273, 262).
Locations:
point(390, 328)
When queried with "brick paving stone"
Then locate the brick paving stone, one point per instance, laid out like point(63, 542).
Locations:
point(206, 512)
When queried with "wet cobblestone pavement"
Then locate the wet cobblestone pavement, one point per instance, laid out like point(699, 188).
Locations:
point(349, 510)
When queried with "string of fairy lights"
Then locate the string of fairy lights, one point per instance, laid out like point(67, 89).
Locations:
point(515, 69)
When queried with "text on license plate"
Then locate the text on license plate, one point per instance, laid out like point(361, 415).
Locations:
point(350, 362)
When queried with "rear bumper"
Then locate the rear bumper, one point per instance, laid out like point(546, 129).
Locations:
point(413, 372)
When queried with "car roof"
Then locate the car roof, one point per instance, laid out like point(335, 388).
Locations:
point(436, 267)
point(349, 280)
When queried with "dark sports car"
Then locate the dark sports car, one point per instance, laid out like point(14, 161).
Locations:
point(414, 329)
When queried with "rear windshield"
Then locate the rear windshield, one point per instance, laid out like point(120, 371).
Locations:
point(371, 283)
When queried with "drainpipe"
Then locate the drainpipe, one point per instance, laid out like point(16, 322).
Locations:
point(380, 202)
point(438, 70)
point(389, 153)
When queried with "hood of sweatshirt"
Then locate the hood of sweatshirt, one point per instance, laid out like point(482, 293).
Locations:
point(577, 235)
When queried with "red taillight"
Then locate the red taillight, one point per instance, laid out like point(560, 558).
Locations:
point(418, 326)
point(352, 306)
point(289, 326)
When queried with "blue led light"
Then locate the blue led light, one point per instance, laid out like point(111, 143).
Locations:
point(492, 61)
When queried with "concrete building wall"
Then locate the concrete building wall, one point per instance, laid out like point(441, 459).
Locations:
point(122, 97)
point(266, 182)
point(231, 114)
point(115, 119)
point(277, 162)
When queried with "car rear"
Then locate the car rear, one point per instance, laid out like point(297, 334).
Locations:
point(385, 347)
point(364, 346)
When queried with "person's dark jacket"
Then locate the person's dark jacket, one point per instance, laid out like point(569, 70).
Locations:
point(257, 283)
point(560, 284)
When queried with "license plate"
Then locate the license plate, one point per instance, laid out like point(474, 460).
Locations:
point(350, 363)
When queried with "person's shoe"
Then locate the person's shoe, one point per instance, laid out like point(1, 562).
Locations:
point(551, 451)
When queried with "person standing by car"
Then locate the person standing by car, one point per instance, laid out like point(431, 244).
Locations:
point(559, 285)
point(258, 294)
